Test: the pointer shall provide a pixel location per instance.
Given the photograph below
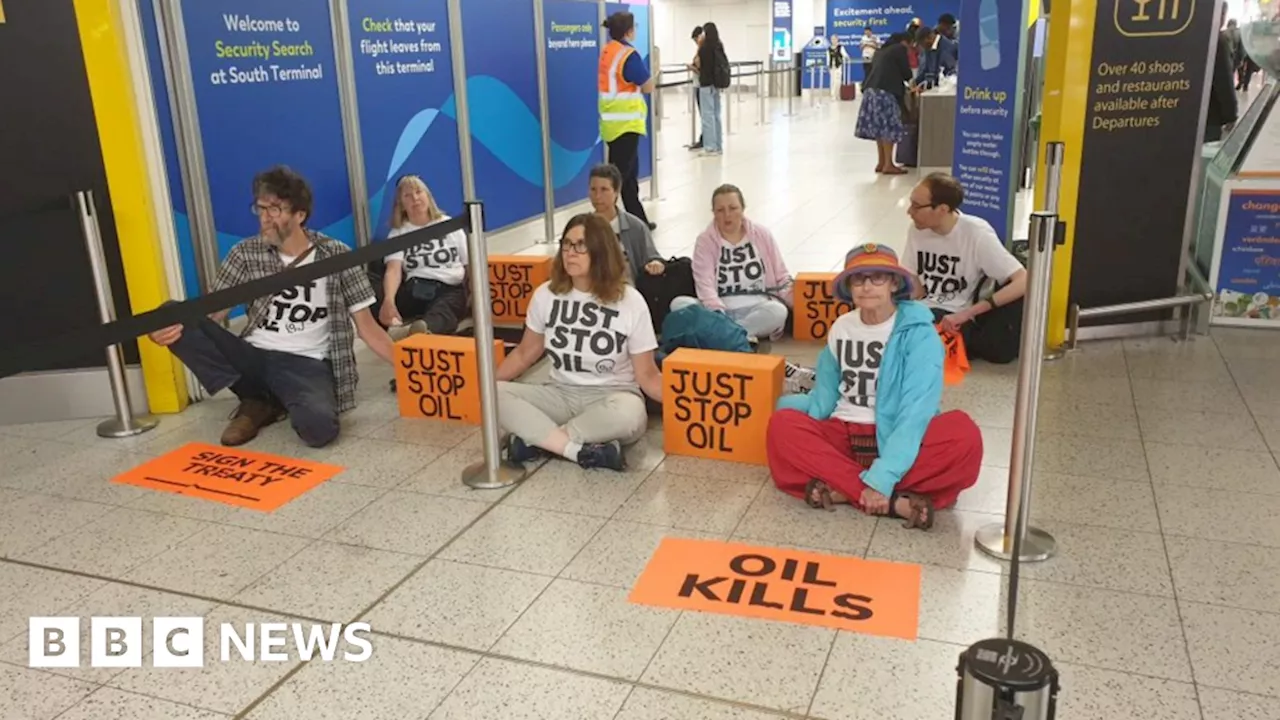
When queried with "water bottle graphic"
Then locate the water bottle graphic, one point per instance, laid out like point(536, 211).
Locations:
point(989, 34)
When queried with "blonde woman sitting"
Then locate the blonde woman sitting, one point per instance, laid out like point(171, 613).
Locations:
point(427, 284)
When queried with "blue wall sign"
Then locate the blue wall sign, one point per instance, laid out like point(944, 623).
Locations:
point(502, 91)
point(1248, 284)
point(573, 56)
point(267, 93)
point(987, 109)
point(781, 45)
point(404, 76)
point(846, 19)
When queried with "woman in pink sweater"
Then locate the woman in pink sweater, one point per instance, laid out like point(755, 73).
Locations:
point(738, 269)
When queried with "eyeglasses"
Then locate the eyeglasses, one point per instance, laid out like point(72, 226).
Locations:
point(874, 278)
point(921, 206)
point(579, 247)
point(271, 211)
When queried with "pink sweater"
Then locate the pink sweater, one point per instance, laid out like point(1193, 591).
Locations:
point(706, 259)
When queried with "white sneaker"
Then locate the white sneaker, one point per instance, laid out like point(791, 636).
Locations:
point(799, 380)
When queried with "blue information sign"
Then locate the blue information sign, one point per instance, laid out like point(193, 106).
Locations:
point(267, 93)
point(987, 109)
point(573, 55)
point(404, 76)
point(848, 19)
point(781, 46)
point(1248, 284)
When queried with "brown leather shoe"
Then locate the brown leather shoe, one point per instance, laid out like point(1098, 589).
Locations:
point(248, 419)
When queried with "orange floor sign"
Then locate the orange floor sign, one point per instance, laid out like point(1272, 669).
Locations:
point(847, 593)
point(230, 475)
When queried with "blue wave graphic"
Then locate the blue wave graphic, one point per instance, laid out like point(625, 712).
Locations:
point(410, 137)
point(508, 128)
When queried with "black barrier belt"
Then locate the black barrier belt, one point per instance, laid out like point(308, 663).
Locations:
point(73, 344)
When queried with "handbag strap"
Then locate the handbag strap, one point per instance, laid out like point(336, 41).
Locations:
point(257, 316)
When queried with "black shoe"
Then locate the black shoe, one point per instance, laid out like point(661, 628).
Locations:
point(653, 225)
point(602, 455)
point(698, 146)
point(520, 452)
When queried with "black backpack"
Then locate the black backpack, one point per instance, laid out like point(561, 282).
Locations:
point(660, 290)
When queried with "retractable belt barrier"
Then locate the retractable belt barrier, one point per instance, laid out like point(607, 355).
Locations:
point(78, 342)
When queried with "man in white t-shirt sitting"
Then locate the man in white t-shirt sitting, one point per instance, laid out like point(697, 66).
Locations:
point(952, 254)
point(296, 355)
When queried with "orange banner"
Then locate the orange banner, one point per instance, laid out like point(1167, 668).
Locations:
point(230, 475)
point(847, 593)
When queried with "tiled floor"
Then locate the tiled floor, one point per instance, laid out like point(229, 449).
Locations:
point(1155, 468)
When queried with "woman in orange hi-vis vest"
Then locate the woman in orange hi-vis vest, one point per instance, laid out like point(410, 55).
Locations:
point(623, 82)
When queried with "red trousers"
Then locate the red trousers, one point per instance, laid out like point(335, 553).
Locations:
point(801, 449)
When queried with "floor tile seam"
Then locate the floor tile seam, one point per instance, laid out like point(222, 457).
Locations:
point(826, 661)
point(262, 697)
point(612, 516)
point(1272, 698)
point(108, 686)
point(1173, 583)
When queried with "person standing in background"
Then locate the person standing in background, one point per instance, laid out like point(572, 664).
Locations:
point(1223, 109)
point(869, 44)
point(714, 76)
point(693, 69)
point(623, 81)
point(835, 65)
point(948, 48)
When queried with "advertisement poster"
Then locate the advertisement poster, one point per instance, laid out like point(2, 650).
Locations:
point(267, 93)
point(847, 19)
point(1146, 89)
point(781, 30)
point(987, 110)
point(1248, 282)
point(404, 76)
point(168, 141)
point(573, 55)
point(502, 92)
point(641, 11)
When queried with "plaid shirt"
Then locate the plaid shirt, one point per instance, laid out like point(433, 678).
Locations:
point(256, 258)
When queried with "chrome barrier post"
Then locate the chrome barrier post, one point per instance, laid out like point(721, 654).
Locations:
point(728, 108)
point(344, 62)
point(813, 85)
point(655, 119)
point(462, 107)
point(760, 95)
point(1014, 538)
point(491, 473)
point(1053, 159)
point(693, 114)
point(544, 117)
point(791, 89)
point(125, 423)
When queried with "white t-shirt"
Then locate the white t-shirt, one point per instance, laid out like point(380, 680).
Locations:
point(591, 343)
point(859, 349)
point(950, 266)
point(443, 259)
point(740, 270)
point(297, 319)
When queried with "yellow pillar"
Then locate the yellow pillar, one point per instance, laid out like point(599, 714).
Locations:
point(1066, 100)
point(132, 202)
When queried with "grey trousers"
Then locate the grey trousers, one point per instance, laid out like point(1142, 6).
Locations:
point(590, 415)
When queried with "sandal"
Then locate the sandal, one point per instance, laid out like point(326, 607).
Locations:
point(818, 496)
point(922, 511)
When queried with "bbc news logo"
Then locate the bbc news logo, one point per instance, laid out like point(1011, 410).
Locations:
point(178, 642)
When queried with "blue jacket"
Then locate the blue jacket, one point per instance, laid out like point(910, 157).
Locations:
point(908, 394)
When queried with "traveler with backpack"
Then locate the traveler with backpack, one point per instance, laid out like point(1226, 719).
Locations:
point(738, 269)
point(714, 76)
point(596, 328)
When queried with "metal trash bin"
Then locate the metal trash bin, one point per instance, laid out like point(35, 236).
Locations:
point(1002, 679)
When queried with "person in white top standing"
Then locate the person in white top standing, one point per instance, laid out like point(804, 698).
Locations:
point(869, 45)
point(952, 254)
point(427, 284)
point(296, 354)
point(597, 331)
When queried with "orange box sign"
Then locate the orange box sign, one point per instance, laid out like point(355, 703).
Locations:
point(512, 280)
point(816, 305)
point(230, 475)
point(717, 404)
point(847, 593)
point(437, 377)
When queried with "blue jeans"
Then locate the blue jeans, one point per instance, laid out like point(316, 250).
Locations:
point(709, 105)
point(302, 385)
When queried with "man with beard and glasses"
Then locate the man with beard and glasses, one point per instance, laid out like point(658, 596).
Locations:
point(296, 354)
